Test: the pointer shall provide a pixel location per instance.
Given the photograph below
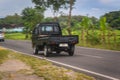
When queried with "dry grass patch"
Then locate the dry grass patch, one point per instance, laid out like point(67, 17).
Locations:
point(1, 48)
point(13, 65)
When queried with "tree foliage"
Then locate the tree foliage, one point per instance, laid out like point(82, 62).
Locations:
point(113, 18)
point(54, 5)
point(103, 24)
point(11, 19)
point(31, 17)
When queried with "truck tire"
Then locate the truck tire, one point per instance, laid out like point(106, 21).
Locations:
point(35, 50)
point(46, 53)
point(3, 40)
point(58, 52)
point(71, 50)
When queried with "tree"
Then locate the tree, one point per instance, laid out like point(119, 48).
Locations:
point(31, 17)
point(54, 5)
point(86, 24)
point(70, 6)
point(11, 19)
point(113, 18)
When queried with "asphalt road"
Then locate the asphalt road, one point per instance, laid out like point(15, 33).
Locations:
point(103, 62)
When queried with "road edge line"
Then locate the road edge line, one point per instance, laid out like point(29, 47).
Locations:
point(97, 49)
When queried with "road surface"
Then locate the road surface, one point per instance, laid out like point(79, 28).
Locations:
point(96, 61)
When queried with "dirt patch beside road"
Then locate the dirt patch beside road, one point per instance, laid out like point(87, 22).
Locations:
point(17, 70)
point(13, 65)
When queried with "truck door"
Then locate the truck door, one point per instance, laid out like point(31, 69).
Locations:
point(35, 34)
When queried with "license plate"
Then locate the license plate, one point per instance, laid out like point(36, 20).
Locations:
point(63, 45)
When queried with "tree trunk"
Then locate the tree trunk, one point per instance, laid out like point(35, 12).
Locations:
point(26, 37)
point(104, 40)
point(55, 16)
point(55, 19)
point(82, 37)
point(69, 18)
point(108, 37)
point(87, 35)
point(114, 34)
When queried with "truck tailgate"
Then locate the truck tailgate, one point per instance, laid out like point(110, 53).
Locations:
point(64, 39)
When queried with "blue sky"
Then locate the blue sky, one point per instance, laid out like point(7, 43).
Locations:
point(82, 7)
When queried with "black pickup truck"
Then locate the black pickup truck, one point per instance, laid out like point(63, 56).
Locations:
point(48, 37)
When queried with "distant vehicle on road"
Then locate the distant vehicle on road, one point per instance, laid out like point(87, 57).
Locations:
point(48, 37)
point(1, 36)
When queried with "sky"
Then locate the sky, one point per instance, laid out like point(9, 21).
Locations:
point(94, 8)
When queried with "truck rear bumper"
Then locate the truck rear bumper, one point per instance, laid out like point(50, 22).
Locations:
point(59, 47)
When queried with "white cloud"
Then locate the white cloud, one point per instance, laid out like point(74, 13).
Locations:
point(110, 2)
point(10, 7)
point(95, 9)
point(107, 1)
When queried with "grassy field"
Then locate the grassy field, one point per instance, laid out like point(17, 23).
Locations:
point(41, 67)
point(111, 44)
point(15, 36)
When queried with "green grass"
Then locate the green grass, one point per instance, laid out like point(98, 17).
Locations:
point(15, 36)
point(43, 68)
point(3, 55)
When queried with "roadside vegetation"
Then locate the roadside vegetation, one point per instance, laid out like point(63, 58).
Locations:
point(92, 40)
point(111, 40)
point(41, 67)
point(15, 36)
point(3, 55)
point(96, 33)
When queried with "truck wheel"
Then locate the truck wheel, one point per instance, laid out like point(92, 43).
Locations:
point(71, 51)
point(3, 40)
point(46, 53)
point(35, 50)
point(58, 52)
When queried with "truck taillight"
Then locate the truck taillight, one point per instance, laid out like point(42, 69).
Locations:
point(74, 42)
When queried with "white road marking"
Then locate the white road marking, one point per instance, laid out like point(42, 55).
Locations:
point(66, 65)
point(98, 49)
point(92, 56)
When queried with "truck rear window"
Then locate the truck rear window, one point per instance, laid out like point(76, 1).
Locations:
point(49, 28)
